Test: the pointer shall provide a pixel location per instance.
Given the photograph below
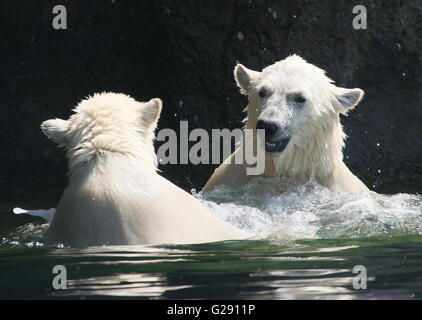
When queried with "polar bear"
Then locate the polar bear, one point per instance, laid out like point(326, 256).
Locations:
point(298, 108)
point(115, 196)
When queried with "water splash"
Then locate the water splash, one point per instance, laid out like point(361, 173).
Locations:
point(29, 235)
point(282, 209)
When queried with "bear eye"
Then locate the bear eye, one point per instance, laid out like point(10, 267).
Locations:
point(299, 99)
point(262, 92)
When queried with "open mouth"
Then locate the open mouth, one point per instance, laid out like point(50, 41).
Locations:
point(276, 146)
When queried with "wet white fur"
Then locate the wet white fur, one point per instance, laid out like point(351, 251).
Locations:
point(317, 137)
point(115, 196)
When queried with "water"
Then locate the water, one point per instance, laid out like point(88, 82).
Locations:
point(285, 210)
point(305, 243)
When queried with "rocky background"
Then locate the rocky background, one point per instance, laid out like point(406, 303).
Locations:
point(184, 52)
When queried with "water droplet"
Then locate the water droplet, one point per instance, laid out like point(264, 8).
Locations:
point(240, 35)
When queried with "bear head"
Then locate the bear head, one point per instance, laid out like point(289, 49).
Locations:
point(107, 122)
point(294, 102)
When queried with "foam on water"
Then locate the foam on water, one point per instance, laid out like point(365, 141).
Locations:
point(282, 209)
point(29, 235)
point(279, 209)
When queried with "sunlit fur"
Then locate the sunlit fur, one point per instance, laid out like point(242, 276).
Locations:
point(317, 137)
point(110, 122)
point(115, 196)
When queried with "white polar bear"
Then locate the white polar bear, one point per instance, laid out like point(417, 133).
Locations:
point(115, 196)
point(298, 106)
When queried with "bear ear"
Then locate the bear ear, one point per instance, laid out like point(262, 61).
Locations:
point(344, 99)
point(244, 78)
point(151, 111)
point(56, 130)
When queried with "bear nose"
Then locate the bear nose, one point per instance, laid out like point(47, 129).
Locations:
point(269, 127)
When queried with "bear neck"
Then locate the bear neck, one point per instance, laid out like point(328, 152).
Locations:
point(94, 151)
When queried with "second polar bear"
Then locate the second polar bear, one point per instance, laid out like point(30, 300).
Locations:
point(298, 107)
point(115, 196)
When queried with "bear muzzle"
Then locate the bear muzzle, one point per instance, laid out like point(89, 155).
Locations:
point(274, 141)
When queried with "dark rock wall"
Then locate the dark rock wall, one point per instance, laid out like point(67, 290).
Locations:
point(184, 52)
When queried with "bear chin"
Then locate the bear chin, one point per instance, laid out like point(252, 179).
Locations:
point(277, 147)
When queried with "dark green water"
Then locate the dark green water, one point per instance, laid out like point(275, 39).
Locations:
point(311, 269)
point(311, 256)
